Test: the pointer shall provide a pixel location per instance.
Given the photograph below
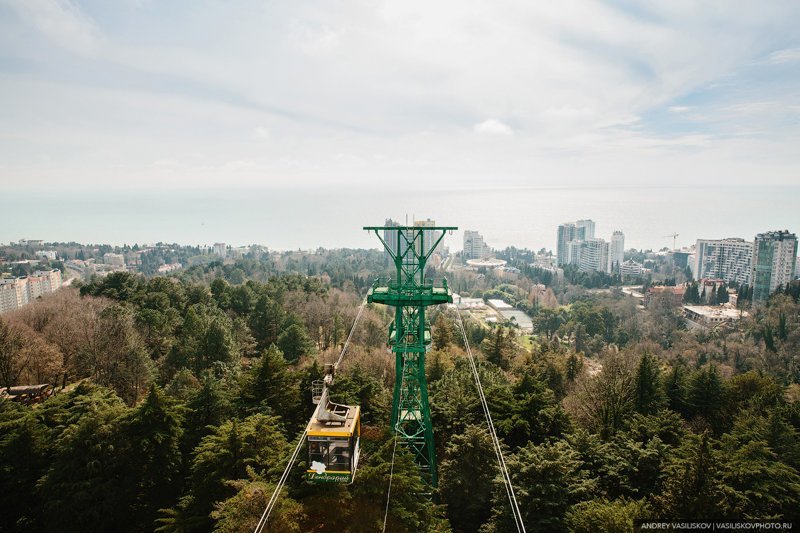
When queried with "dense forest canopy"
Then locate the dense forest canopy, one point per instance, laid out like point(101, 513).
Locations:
point(181, 398)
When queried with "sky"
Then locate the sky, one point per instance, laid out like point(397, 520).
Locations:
point(169, 95)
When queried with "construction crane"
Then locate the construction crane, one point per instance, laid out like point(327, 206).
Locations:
point(674, 237)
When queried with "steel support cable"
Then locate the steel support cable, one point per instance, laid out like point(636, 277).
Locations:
point(262, 522)
point(492, 432)
point(389, 491)
point(493, 436)
point(352, 329)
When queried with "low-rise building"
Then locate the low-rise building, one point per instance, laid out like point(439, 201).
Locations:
point(47, 254)
point(114, 259)
point(708, 316)
point(631, 268)
point(674, 294)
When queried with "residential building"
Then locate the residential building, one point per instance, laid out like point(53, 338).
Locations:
point(390, 236)
point(219, 249)
point(9, 297)
point(580, 230)
point(429, 237)
point(567, 233)
point(52, 279)
point(594, 256)
point(114, 259)
point(728, 259)
point(47, 254)
point(585, 229)
point(774, 256)
point(673, 295)
point(708, 316)
point(574, 252)
point(631, 268)
point(17, 292)
point(616, 255)
point(474, 246)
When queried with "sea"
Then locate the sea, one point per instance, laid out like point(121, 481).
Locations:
point(333, 217)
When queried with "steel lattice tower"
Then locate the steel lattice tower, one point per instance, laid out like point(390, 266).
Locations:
point(410, 333)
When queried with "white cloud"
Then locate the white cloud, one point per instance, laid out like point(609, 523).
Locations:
point(787, 55)
point(61, 21)
point(260, 133)
point(492, 127)
point(331, 84)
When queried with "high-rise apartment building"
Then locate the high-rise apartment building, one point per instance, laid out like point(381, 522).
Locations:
point(574, 252)
point(594, 256)
point(616, 254)
point(727, 259)
point(585, 229)
point(566, 234)
point(390, 237)
point(429, 236)
point(474, 246)
point(774, 256)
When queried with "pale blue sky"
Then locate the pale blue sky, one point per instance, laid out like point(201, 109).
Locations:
point(173, 94)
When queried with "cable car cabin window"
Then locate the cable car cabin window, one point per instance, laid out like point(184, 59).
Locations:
point(317, 452)
point(339, 455)
point(335, 454)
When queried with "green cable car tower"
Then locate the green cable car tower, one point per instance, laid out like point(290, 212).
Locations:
point(409, 293)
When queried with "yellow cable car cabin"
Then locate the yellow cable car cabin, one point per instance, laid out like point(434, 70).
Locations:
point(334, 438)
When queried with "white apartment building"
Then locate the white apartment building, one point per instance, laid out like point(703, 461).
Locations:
point(114, 259)
point(573, 253)
point(585, 229)
point(16, 292)
point(594, 256)
point(47, 254)
point(728, 259)
point(568, 232)
point(219, 249)
point(474, 246)
point(631, 268)
point(616, 255)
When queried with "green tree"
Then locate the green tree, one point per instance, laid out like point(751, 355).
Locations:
point(24, 458)
point(758, 484)
point(81, 490)
point(691, 485)
point(442, 336)
point(410, 509)
point(255, 444)
point(150, 438)
point(676, 389)
point(548, 479)
point(649, 393)
point(209, 407)
point(294, 342)
point(466, 477)
point(707, 396)
point(266, 320)
point(206, 338)
point(270, 385)
point(604, 515)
